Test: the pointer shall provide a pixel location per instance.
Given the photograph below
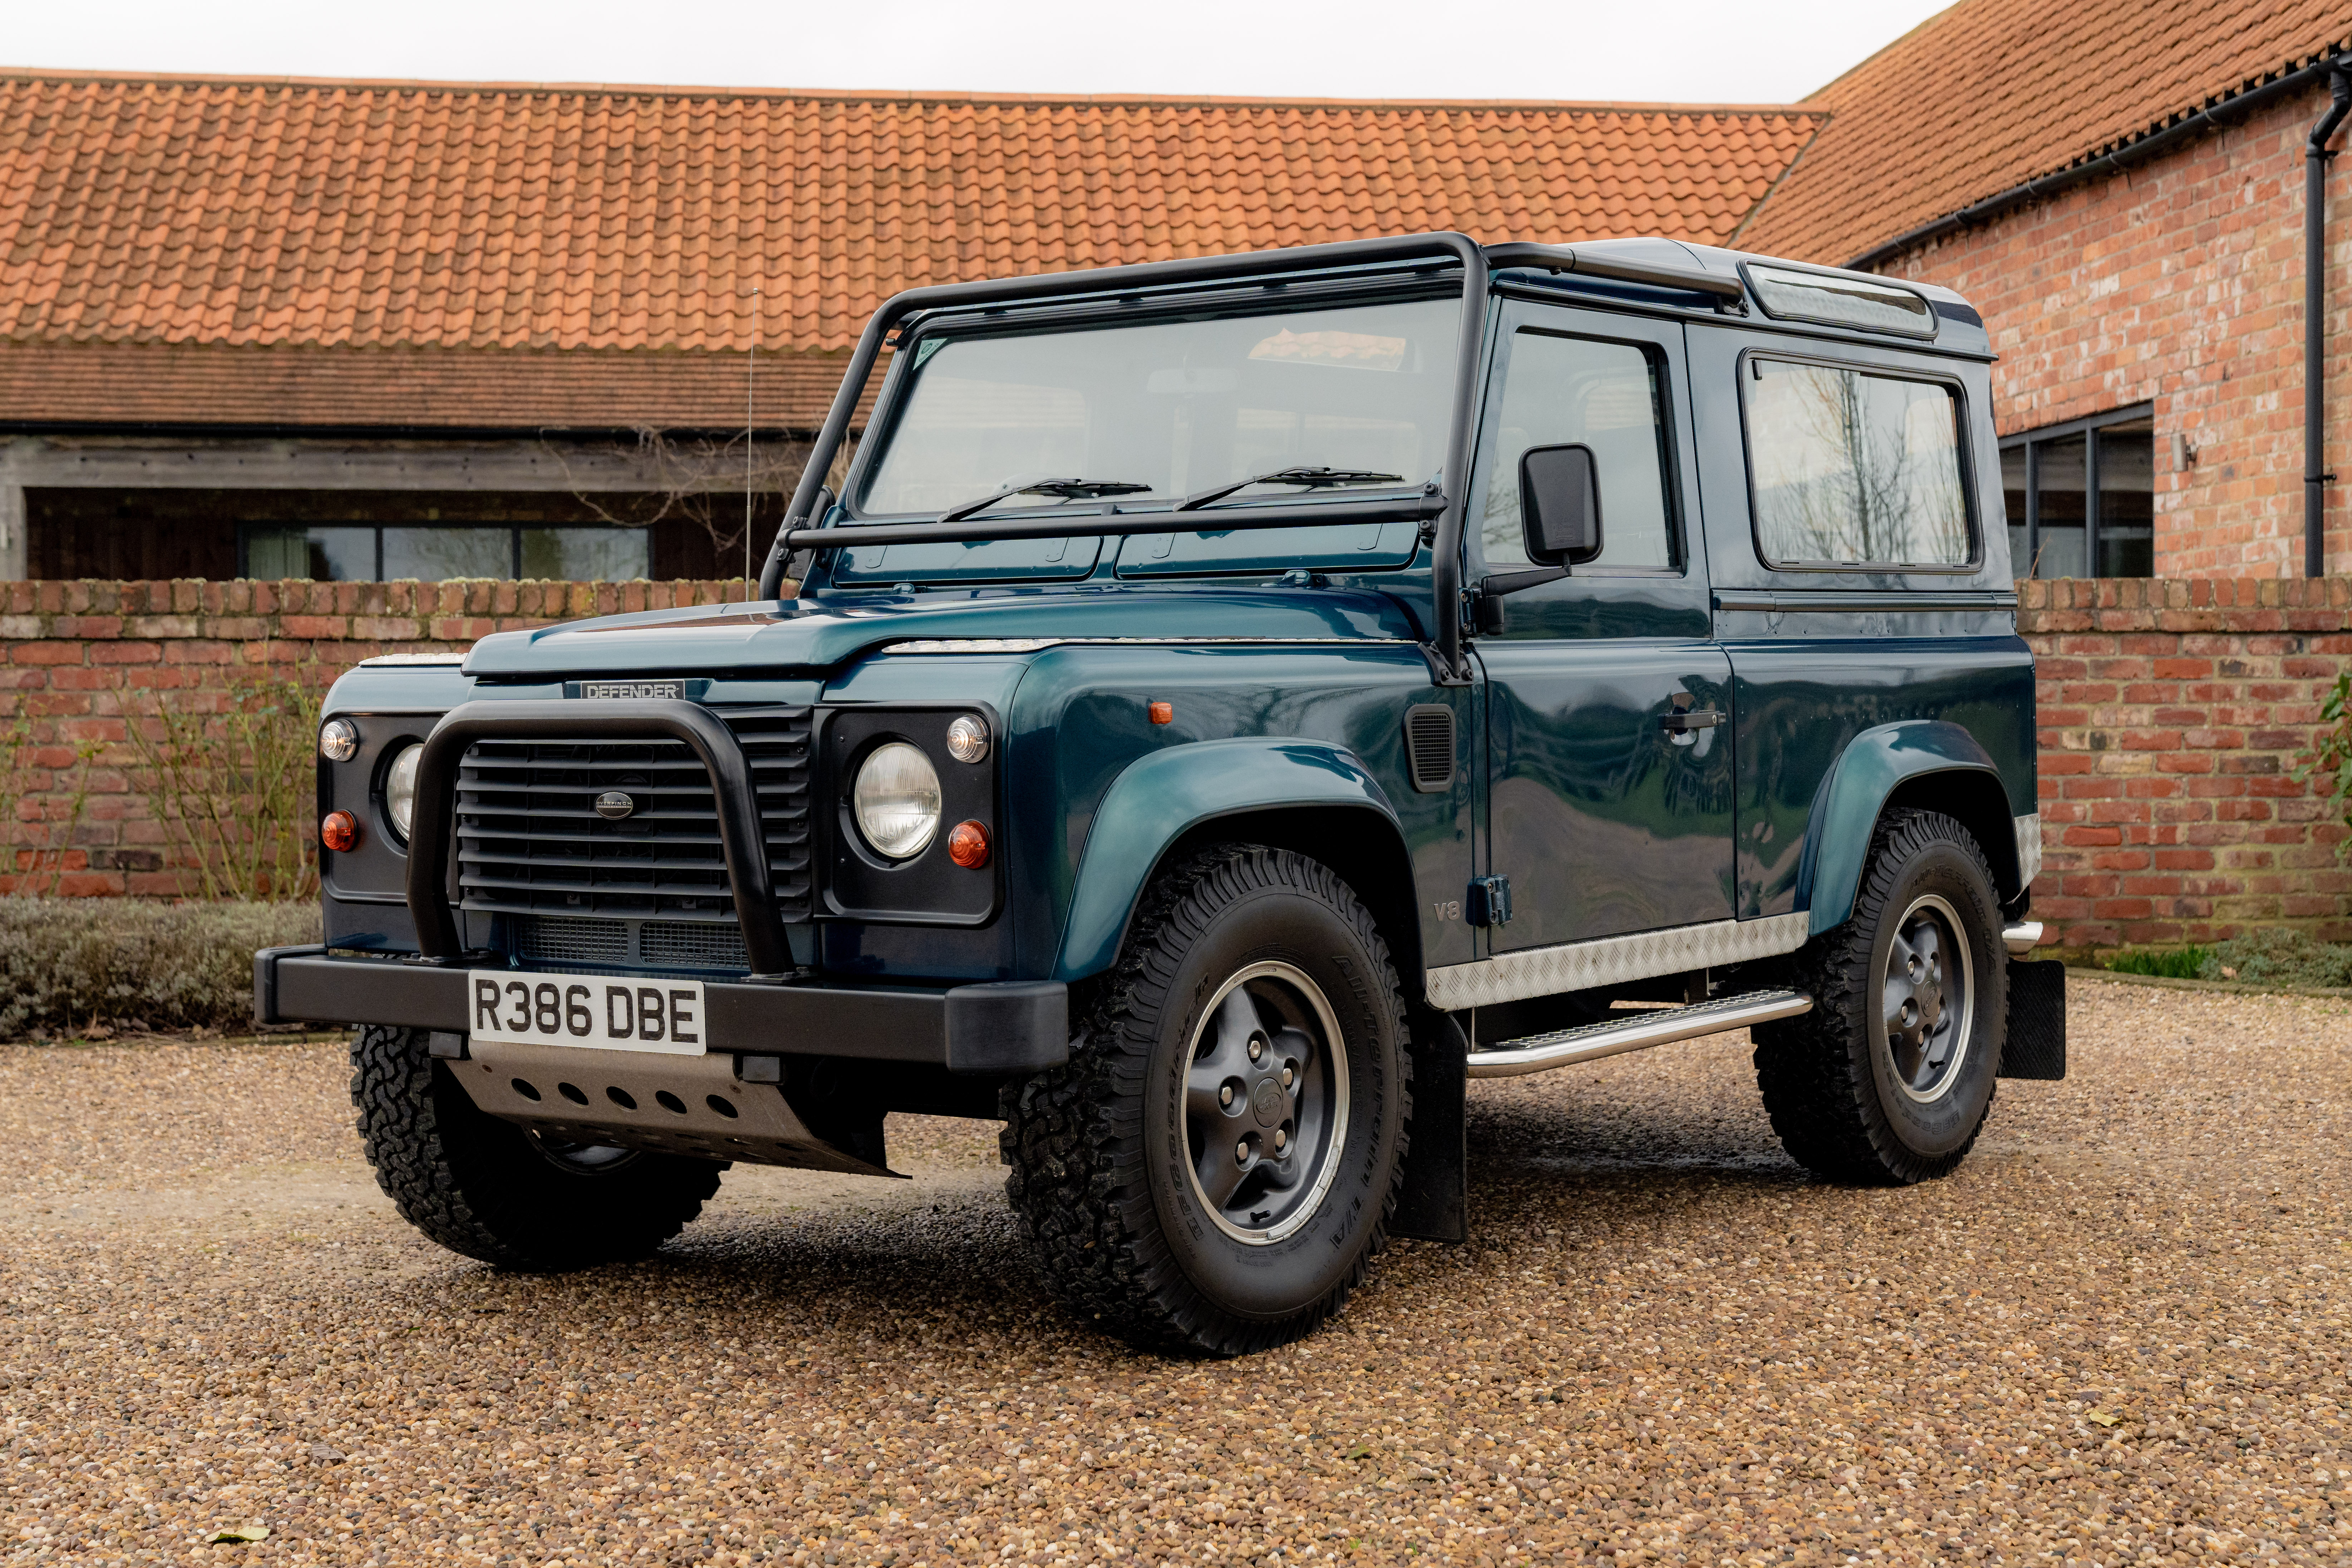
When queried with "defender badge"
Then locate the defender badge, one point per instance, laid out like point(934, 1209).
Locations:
point(613, 805)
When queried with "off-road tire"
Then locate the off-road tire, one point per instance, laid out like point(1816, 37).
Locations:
point(482, 1187)
point(1827, 1074)
point(1114, 1229)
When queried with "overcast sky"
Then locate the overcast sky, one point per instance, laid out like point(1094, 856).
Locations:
point(1702, 51)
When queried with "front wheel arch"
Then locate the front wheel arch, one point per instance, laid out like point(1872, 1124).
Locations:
point(1360, 845)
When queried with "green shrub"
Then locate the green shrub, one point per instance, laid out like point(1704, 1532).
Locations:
point(69, 964)
point(234, 787)
point(2280, 958)
point(2178, 963)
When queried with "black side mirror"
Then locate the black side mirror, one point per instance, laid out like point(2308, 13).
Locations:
point(1559, 505)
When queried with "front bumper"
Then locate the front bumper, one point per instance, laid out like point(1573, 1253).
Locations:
point(1001, 1028)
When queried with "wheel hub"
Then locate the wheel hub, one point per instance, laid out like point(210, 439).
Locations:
point(1926, 997)
point(1266, 1103)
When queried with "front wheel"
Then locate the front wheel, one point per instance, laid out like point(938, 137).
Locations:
point(1216, 1165)
point(1889, 1079)
point(492, 1190)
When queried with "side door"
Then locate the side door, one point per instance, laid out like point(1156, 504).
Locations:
point(1608, 703)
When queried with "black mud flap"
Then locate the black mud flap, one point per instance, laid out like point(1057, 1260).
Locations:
point(1435, 1203)
point(2037, 1021)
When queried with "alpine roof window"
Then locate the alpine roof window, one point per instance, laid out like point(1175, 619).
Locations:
point(1855, 469)
point(1788, 295)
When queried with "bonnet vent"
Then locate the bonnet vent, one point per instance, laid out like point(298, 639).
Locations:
point(1429, 746)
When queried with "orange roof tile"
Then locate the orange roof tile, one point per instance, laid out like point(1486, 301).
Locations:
point(1991, 93)
point(197, 211)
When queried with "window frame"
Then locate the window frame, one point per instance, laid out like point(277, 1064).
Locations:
point(248, 527)
point(2088, 427)
point(1269, 299)
point(1963, 452)
point(1670, 457)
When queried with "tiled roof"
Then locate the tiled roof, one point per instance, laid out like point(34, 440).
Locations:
point(173, 210)
point(419, 388)
point(1991, 93)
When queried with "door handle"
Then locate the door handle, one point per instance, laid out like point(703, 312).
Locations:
point(1689, 720)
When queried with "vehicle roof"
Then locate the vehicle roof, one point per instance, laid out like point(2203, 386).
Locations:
point(1958, 324)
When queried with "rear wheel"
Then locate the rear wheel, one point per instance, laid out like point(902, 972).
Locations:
point(1889, 1079)
point(496, 1192)
point(1216, 1165)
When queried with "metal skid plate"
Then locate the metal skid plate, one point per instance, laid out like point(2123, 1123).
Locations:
point(639, 1099)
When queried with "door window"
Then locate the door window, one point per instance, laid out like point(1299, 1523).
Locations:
point(1608, 396)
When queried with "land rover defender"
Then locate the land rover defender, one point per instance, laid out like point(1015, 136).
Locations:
point(1230, 704)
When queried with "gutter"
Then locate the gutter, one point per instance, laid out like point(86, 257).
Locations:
point(2150, 146)
point(2315, 318)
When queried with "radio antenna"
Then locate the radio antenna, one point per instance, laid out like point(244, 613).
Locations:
point(751, 384)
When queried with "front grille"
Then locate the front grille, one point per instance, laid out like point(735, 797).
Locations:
point(556, 940)
point(678, 944)
point(531, 842)
point(649, 944)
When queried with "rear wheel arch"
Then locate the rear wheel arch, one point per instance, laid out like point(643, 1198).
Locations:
point(1977, 800)
point(1917, 764)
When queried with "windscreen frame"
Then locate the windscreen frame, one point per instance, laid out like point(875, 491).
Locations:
point(1269, 301)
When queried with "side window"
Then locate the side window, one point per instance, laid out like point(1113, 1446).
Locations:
point(1854, 468)
point(1610, 397)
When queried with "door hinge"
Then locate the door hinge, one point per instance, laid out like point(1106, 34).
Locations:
point(1489, 903)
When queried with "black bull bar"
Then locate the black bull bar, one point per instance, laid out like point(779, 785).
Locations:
point(1000, 1026)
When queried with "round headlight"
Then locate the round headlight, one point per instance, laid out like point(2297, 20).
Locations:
point(339, 740)
point(400, 787)
point(896, 799)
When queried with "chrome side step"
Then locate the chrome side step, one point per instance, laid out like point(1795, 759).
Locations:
point(1639, 1031)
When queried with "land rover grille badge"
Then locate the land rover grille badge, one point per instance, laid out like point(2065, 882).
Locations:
point(613, 805)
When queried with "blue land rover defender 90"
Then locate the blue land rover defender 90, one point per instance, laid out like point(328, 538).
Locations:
point(1231, 703)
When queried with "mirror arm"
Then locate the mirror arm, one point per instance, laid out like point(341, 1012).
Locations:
point(1503, 583)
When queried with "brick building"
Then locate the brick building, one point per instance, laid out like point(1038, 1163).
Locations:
point(360, 330)
point(354, 329)
point(2123, 197)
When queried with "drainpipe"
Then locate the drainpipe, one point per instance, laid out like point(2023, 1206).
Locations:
point(2314, 331)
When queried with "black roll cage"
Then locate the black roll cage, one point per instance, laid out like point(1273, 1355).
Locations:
point(1451, 512)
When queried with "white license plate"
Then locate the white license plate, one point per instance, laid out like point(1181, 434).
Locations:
point(597, 1011)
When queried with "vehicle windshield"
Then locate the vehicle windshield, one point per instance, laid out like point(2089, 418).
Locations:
point(1176, 407)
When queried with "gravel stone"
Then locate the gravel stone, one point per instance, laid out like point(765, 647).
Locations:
point(2117, 1335)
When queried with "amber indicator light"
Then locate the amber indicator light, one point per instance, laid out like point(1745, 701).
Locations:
point(968, 845)
point(340, 831)
point(1163, 712)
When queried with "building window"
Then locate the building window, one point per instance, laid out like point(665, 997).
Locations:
point(344, 553)
point(2082, 496)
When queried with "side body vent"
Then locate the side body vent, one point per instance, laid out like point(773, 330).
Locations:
point(1429, 746)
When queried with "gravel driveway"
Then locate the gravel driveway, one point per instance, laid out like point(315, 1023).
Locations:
point(2117, 1335)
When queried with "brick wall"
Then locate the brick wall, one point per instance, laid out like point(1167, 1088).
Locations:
point(2171, 716)
point(2180, 283)
point(82, 658)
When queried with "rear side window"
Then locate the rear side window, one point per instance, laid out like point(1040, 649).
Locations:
point(1855, 468)
point(1610, 397)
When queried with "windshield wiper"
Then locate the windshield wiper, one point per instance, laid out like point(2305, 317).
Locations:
point(1062, 489)
point(1313, 479)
